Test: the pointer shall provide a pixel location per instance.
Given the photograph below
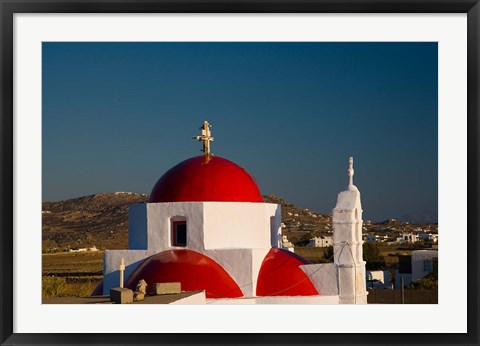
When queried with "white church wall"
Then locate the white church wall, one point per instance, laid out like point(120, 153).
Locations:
point(324, 300)
point(258, 255)
point(157, 217)
point(232, 301)
point(243, 265)
point(198, 298)
point(111, 262)
point(237, 225)
point(275, 224)
point(320, 300)
point(137, 226)
point(238, 264)
point(239, 236)
point(324, 277)
point(160, 217)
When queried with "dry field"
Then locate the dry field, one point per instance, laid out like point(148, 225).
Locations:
point(70, 274)
point(313, 254)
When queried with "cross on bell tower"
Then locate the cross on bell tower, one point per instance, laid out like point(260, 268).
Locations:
point(205, 137)
point(350, 171)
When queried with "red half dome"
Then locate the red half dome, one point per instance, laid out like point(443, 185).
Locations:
point(192, 269)
point(206, 178)
point(280, 275)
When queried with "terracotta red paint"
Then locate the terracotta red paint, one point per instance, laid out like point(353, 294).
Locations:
point(280, 275)
point(193, 270)
point(206, 178)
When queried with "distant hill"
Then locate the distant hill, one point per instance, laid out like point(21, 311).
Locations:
point(98, 202)
point(102, 220)
point(300, 223)
point(425, 217)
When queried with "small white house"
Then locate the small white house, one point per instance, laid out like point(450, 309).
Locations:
point(378, 279)
point(414, 267)
point(428, 236)
point(85, 249)
point(423, 263)
point(407, 238)
point(286, 244)
point(322, 241)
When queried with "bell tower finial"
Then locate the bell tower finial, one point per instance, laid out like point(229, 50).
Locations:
point(350, 171)
point(205, 137)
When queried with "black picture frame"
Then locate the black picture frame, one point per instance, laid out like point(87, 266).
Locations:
point(10, 7)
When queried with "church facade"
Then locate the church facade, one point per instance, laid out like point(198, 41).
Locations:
point(206, 226)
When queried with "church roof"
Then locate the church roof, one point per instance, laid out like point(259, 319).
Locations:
point(281, 275)
point(206, 178)
point(192, 269)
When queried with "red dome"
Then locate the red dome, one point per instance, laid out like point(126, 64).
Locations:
point(192, 269)
point(206, 178)
point(280, 275)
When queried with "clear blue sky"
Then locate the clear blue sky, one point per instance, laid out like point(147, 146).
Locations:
point(116, 116)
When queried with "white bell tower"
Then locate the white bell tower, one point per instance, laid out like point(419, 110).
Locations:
point(347, 244)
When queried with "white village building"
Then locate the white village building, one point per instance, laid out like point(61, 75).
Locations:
point(206, 226)
point(287, 244)
point(428, 236)
point(322, 241)
point(416, 266)
point(407, 238)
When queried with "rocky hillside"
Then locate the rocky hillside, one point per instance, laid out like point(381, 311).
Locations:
point(300, 223)
point(101, 220)
point(95, 203)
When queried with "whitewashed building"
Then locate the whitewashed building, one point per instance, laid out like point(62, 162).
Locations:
point(414, 267)
point(206, 226)
point(407, 238)
point(322, 241)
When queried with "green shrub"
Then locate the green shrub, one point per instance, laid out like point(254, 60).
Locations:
point(429, 282)
point(371, 255)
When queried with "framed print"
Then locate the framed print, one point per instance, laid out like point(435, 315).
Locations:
point(336, 163)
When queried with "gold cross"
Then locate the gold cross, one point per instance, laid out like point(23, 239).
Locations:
point(205, 137)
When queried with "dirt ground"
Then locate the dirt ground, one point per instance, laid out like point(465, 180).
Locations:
point(73, 262)
point(71, 274)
